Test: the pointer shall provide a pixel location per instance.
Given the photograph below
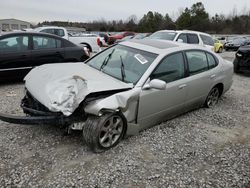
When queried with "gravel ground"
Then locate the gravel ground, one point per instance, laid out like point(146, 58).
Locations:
point(203, 148)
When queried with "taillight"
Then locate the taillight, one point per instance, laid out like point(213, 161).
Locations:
point(98, 41)
point(86, 51)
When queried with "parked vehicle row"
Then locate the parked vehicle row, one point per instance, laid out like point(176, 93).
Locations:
point(236, 43)
point(87, 40)
point(242, 59)
point(21, 51)
point(124, 89)
point(218, 46)
point(185, 36)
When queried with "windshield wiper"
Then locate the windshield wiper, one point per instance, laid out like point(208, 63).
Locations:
point(106, 60)
point(122, 69)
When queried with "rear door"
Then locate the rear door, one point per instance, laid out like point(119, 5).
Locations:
point(47, 49)
point(15, 56)
point(200, 78)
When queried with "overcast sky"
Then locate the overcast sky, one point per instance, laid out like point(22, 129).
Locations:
point(79, 10)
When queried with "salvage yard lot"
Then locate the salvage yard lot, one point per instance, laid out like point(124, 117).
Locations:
point(202, 148)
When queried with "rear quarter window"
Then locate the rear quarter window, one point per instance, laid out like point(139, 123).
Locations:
point(212, 62)
point(193, 39)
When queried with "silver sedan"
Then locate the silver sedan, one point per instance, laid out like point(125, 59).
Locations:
point(124, 89)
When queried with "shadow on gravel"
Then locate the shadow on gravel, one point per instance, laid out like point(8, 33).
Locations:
point(245, 74)
point(10, 82)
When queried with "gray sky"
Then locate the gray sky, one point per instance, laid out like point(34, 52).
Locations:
point(89, 10)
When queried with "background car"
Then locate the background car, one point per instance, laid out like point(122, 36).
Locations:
point(185, 36)
point(236, 43)
point(218, 46)
point(124, 89)
point(242, 59)
point(103, 39)
point(120, 36)
point(21, 51)
point(136, 36)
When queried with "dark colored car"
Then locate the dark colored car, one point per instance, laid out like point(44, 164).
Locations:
point(236, 43)
point(242, 59)
point(21, 51)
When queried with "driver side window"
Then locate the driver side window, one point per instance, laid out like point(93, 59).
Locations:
point(170, 69)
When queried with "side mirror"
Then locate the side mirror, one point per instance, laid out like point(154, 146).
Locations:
point(155, 84)
point(180, 40)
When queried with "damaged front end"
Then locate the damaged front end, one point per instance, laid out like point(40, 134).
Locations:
point(69, 98)
point(38, 114)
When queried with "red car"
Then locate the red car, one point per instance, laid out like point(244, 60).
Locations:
point(121, 35)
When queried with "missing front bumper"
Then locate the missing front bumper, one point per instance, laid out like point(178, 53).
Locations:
point(38, 120)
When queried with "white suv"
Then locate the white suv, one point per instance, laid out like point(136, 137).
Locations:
point(186, 36)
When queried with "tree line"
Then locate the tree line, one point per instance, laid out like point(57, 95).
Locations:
point(193, 18)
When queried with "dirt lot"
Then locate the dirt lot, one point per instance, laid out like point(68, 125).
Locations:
point(203, 148)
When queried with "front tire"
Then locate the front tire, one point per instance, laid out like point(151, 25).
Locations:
point(212, 98)
point(105, 132)
point(220, 50)
point(236, 67)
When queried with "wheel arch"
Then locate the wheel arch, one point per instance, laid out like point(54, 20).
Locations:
point(87, 45)
point(105, 111)
point(220, 86)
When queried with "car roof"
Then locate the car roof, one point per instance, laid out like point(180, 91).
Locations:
point(184, 31)
point(48, 27)
point(29, 33)
point(160, 46)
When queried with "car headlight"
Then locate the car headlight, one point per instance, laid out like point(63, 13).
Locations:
point(238, 54)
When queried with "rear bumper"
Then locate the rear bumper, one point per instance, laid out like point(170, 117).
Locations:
point(38, 120)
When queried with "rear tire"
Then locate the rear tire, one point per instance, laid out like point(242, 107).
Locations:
point(105, 132)
point(212, 98)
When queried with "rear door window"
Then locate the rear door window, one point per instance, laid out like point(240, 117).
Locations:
point(41, 42)
point(197, 62)
point(211, 61)
point(193, 39)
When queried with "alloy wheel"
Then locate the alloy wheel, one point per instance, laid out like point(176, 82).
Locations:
point(213, 97)
point(111, 131)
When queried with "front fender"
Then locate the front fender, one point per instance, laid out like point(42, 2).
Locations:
point(119, 101)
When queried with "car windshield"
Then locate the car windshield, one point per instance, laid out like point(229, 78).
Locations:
point(124, 63)
point(163, 35)
point(140, 36)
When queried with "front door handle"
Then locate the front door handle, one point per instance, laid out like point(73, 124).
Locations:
point(182, 86)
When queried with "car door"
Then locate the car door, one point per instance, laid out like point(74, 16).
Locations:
point(15, 56)
point(47, 49)
point(200, 78)
point(158, 105)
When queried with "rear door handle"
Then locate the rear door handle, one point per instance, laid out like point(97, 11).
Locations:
point(182, 86)
point(212, 76)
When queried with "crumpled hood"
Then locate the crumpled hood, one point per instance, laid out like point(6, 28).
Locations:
point(62, 87)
